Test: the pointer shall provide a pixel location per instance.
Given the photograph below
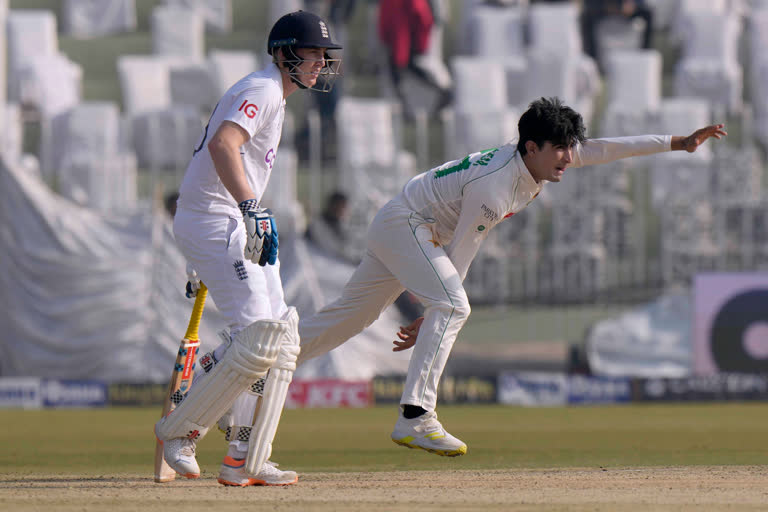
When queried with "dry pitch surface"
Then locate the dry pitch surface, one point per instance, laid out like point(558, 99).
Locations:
point(692, 488)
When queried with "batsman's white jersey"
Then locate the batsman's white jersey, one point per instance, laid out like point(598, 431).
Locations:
point(256, 104)
point(424, 240)
point(209, 226)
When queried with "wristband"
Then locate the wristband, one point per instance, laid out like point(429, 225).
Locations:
point(248, 205)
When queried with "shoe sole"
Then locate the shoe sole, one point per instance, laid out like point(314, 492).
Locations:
point(256, 482)
point(445, 453)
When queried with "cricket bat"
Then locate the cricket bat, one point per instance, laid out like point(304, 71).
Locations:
point(181, 378)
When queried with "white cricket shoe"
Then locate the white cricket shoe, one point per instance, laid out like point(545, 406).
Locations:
point(233, 473)
point(426, 433)
point(179, 453)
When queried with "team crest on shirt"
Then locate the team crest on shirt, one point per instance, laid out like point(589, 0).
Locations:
point(487, 155)
point(240, 271)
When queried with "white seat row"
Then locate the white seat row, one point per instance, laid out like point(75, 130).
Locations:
point(87, 19)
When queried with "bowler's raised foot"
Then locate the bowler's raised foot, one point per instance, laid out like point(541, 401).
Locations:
point(426, 433)
point(233, 473)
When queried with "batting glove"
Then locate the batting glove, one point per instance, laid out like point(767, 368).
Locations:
point(260, 232)
point(193, 282)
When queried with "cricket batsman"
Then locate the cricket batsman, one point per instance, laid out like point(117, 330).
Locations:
point(231, 241)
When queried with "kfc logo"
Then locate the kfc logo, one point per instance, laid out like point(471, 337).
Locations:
point(249, 109)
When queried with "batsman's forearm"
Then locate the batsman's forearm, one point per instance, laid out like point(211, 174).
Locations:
point(229, 167)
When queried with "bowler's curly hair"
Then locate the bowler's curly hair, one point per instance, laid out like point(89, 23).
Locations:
point(548, 119)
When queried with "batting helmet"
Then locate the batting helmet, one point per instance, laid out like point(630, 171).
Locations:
point(301, 29)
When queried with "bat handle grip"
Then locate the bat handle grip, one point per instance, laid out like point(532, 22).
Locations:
point(197, 313)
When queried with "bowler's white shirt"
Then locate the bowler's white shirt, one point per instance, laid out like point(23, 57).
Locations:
point(465, 199)
point(256, 104)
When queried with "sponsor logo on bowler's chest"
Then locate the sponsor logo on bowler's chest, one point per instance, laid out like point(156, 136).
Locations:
point(489, 214)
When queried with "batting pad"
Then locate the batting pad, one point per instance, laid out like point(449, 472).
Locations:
point(275, 391)
point(252, 352)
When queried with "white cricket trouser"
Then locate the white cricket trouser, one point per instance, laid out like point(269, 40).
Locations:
point(400, 255)
point(243, 291)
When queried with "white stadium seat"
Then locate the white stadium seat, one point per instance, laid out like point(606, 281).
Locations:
point(709, 67)
point(228, 66)
point(86, 19)
point(217, 14)
point(497, 31)
point(633, 86)
point(565, 39)
point(480, 84)
point(177, 31)
point(31, 33)
point(144, 82)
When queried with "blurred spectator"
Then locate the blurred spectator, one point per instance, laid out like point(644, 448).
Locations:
point(328, 231)
point(405, 27)
point(594, 11)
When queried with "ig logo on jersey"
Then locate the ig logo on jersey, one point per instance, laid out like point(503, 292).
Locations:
point(249, 109)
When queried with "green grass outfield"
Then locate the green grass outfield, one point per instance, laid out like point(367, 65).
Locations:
point(120, 440)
